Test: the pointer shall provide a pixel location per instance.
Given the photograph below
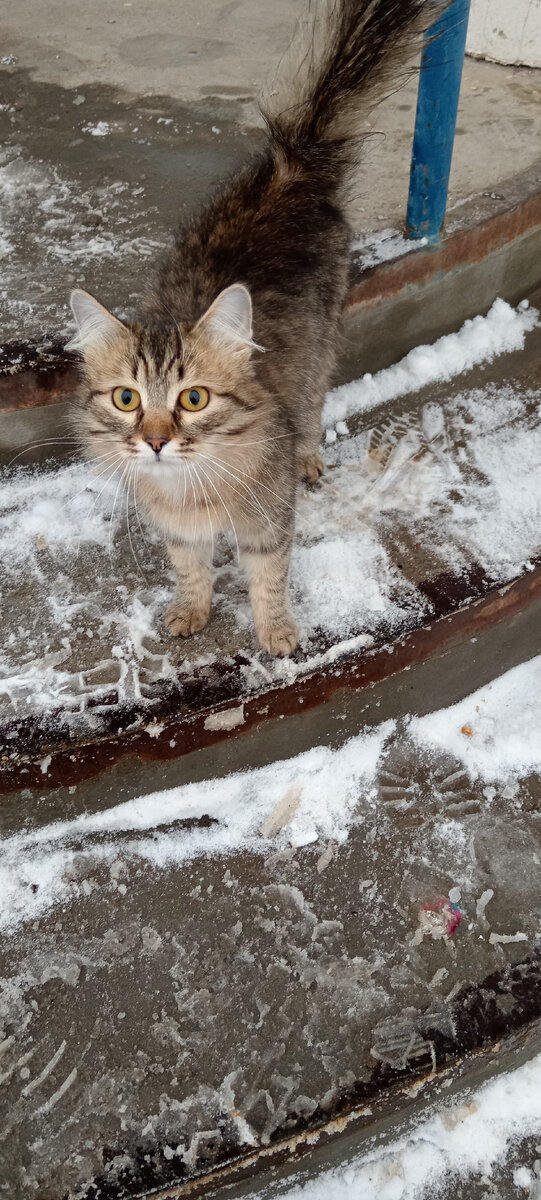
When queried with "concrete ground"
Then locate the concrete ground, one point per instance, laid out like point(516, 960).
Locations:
point(116, 118)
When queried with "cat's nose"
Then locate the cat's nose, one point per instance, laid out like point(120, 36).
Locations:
point(157, 443)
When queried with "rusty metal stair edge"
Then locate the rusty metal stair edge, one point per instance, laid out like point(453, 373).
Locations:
point(465, 616)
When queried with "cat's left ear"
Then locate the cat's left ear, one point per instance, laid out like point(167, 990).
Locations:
point(229, 318)
point(95, 323)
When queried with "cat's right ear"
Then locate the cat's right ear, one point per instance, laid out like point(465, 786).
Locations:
point(95, 323)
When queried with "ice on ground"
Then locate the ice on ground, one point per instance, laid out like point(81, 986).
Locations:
point(99, 129)
point(333, 790)
point(472, 1133)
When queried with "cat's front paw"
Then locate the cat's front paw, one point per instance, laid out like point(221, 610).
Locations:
point(310, 467)
point(280, 638)
point(181, 620)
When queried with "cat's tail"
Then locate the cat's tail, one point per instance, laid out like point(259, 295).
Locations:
point(347, 55)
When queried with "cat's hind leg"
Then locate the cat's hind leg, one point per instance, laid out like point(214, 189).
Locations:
point(189, 611)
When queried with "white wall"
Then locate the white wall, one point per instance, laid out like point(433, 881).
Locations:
point(506, 31)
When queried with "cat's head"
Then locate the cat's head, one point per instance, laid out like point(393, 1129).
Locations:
point(160, 396)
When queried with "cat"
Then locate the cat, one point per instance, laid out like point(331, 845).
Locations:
point(210, 403)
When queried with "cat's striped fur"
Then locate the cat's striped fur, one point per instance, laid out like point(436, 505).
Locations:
point(246, 306)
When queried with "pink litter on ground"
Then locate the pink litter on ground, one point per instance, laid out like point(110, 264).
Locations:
point(450, 915)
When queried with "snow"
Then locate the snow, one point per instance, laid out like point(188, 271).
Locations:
point(479, 340)
point(374, 248)
point(473, 1132)
point(100, 129)
point(48, 217)
point(315, 796)
point(238, 806)
point(504, 720)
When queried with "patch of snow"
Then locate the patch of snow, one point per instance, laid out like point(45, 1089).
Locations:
point(33, 865)
point(374, 248)
point(313, 796)
point(99, 129)
point(504, 718)
point(51, 217)
point(502, 330)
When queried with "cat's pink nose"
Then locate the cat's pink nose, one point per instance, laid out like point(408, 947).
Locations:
point(157, 443)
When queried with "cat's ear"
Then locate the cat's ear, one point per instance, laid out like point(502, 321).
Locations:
point(229, 318)
point(94, 323)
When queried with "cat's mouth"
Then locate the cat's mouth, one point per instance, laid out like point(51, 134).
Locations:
point(167, 455)
point(160, 464)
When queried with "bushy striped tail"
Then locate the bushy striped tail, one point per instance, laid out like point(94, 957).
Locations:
point(347, 55)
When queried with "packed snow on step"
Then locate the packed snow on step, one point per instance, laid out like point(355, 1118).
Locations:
point(478, 341)
point(315, 797)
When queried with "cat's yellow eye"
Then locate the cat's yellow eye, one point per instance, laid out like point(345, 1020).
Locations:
point(126, 399)
point(194, 399)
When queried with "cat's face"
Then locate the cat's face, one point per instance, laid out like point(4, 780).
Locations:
point(167, 400)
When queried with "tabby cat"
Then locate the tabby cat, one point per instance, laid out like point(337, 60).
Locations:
point(210, 403)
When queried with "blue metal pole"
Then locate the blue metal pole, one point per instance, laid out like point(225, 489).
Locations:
point(437, 105)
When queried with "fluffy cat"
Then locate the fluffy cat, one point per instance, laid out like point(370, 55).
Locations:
point(210, 403)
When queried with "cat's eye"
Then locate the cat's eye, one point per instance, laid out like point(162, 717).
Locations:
point(126, 399)
point(194, 399)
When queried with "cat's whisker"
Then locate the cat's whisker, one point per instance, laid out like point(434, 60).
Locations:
point(194, 496)
point(220, 498)
point(259, 482)
point(256, 507)
point(113, 511)
point(95, 500)
point(230, 518)
point(98, 475)
point(138, 519)
point(185, 473)
point(204, 491)
point(131, 469)
point(42, 445)
point(275, 437)
point(107, 454)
